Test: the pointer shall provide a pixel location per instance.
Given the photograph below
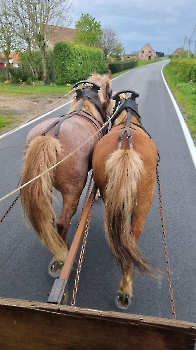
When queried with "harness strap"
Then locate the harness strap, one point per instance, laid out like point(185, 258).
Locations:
point(81, 113)
point(141, 127)
point(127, 130)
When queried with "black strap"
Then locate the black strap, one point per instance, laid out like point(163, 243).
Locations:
point(127, 130)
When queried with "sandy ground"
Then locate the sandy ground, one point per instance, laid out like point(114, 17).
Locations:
point(23, 109)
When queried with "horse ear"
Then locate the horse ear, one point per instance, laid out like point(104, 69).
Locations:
point(94, 72)
point(110, 74)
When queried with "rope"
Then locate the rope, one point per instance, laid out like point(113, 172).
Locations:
point(69, 155)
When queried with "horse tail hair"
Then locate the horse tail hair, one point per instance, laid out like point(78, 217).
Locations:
point(36, 197)
point(123, 170)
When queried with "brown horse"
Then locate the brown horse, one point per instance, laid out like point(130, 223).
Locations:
point(87, 114)
point(124, 171)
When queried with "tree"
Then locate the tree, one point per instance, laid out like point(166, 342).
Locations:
point(118, 50)
point(160, 54)
point(111, 44)
point(8, 40)
point(88, 32)
point(33, 17)
point(109, 40)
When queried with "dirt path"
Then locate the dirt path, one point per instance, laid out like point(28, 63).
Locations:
point(21, 109)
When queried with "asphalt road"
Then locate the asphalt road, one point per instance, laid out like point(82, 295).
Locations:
point(24, 262)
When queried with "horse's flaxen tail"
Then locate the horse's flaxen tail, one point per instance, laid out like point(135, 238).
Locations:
point(36, 197)
point(123, 170)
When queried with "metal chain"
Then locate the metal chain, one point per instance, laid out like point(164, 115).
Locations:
point(169, 279)
point(11, 206)
point(75, 289)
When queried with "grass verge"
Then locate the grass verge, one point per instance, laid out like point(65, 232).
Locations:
point(185, 96)
point(5, 121)
point(45, 90)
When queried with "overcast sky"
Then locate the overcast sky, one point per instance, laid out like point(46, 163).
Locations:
point(163, 24)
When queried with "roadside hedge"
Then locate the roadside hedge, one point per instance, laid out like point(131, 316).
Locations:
point(122, 65)
point(185, 69)
point(73, 63)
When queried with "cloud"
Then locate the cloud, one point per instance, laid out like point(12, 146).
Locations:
point(163, 24)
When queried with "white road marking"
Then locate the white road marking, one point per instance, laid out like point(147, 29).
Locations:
point(34, 120)
point(185, 129)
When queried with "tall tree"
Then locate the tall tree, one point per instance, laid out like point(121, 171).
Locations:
point(33, 17)
point(111, 44)
point(88, 32)
point(8, 39)
point(109, 40)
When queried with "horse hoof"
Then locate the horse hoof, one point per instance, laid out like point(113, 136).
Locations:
point(123, 302)
point(55, 267)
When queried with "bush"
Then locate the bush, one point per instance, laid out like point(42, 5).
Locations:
point(73, 63)
point(116, 67)
point(184, 69)
point(19, 74)
point(2, 79)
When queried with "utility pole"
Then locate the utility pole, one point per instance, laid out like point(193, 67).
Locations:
point(189, 47)
point(195, 50)
point(185, 38)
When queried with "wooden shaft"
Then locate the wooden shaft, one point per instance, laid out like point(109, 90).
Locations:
point(66, 270)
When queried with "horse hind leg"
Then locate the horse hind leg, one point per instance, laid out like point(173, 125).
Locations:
point(123, 299)
point(125, 291)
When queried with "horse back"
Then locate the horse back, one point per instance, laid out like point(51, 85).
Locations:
point(142, 144)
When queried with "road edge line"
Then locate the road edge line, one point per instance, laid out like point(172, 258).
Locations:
point(184, 127)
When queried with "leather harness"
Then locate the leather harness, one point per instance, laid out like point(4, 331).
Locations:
point(86, 93)
point(128, 104)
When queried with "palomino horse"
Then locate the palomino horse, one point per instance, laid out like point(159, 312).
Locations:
point(53, 140)
point(124, 171)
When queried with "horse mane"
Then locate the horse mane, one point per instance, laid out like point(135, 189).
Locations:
point(87, 106)
point(121, 118)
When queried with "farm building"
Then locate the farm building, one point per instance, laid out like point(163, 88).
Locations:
point(147, 53)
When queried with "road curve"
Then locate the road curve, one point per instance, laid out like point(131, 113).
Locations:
point(23, 261)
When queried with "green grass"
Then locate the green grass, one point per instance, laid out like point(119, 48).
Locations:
point(185, 96)
point(45, 90)
point(5, 121)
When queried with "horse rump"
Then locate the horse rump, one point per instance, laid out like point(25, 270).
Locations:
point(123, 169)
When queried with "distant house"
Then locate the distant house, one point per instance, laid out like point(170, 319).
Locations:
point(176, 52)
point(147, 53)
point(13, 59)
point(131, 57)
point(55, 34)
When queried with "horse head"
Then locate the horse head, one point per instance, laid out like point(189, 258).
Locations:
point(96, 93)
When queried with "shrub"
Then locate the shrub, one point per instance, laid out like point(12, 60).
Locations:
point(18, 75)
point(184, 69)
point(73, 63)
point(122, 65)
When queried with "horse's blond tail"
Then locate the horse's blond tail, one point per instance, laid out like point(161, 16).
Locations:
point(123, 170)
point(36, 198)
